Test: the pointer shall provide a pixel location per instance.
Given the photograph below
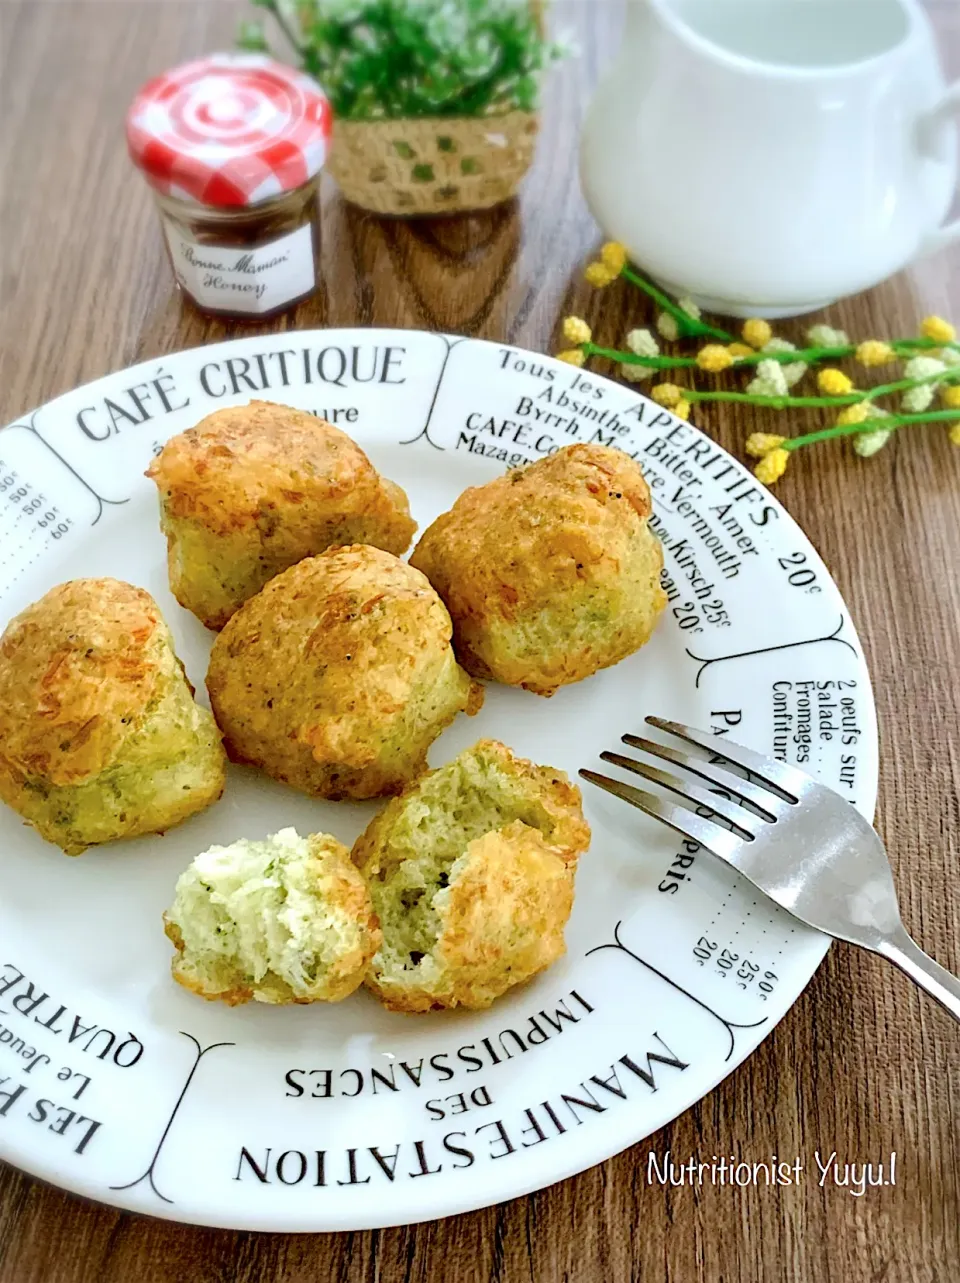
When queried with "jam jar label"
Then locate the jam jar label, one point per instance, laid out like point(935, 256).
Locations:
point(248, 278)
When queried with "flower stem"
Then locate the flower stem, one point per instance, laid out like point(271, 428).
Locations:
point(809, 355)
point(913, 345)
point(871, 425)
point(904, 385)
point(687, 324)
point(772, 402)
point(631, 358)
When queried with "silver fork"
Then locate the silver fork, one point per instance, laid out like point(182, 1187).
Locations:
point(798, 841)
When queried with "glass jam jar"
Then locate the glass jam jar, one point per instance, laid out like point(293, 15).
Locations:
point(233, 146)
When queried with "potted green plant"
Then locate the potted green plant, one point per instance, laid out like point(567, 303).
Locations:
point(435, 101)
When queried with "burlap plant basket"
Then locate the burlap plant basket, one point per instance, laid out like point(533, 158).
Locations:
point(432, 165)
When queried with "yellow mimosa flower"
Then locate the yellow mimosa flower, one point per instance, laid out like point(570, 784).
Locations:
point(599, 275)
point(667, 394)
point(714, 358)
point(576, 330)
point(875, 352)
point(772, 466)
point(614, 257)
point(573, 356)
point(832, 382)
point(937, 329)
point(858, 413)
point(756, 332)
point(760, 444)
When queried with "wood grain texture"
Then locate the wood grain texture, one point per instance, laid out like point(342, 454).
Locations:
point(862, 1064)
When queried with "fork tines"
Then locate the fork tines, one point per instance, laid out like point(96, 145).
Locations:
point(732, 811)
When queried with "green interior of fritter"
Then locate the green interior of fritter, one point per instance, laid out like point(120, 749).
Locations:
point(461, 802)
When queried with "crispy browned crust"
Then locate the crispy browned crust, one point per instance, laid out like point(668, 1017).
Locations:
point(77, 670)
point(551, 540)
point(313, 678)
point(244, 460)
point(502, 924)
point(253, 489)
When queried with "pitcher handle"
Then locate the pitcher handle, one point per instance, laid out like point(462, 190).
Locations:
point(931, 142)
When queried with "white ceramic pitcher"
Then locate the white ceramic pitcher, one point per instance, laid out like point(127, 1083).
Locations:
point(770, 156)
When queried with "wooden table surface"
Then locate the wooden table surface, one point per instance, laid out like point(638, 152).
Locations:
point(862, 1064)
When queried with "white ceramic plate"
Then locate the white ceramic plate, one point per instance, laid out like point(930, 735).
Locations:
point(118, 1084)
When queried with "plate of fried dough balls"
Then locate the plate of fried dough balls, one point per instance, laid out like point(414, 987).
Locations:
point(304, 639)
point(335, 666)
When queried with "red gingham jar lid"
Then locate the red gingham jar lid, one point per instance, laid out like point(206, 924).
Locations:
point(229, 129)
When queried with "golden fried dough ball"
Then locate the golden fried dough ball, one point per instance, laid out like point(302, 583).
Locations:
point(287, 919)
point(549, 572)
point(254, 489)
point(339, 675)
point(100, 737)
point(471, 874)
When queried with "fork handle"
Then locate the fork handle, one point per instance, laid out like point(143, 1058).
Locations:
point(939, 983)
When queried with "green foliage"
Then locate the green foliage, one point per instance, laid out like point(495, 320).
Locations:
point(388, 59)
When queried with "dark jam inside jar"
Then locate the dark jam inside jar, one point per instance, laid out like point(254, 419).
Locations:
point(246, 262)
